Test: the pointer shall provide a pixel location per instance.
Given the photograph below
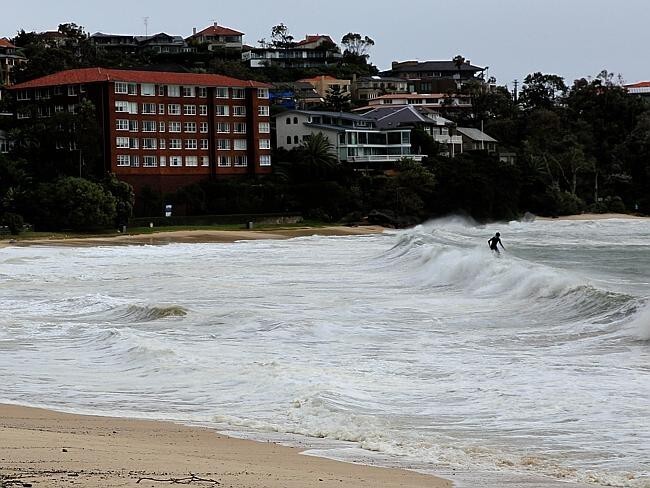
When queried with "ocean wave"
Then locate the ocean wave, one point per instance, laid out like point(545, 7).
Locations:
point(148, 313)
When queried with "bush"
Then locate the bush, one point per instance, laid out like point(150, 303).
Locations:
point(14, 221)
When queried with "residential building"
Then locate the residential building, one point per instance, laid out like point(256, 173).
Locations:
point(217, 37)
point(370, 87)
point(312, 52)
point(356, 139)
point(160, 129)
point(434, 76)
point(295, 95)
point(129, 44)
point(325, 84)
point(9, 59)
point(477, 140)
point(642, 89)
point(5, 142)
point(442, 103)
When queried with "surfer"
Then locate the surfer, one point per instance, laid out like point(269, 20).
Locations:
point(494, 241)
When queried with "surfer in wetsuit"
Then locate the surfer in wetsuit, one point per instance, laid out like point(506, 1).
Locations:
point(494, 241)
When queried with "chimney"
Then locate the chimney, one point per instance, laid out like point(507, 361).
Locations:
point(216, 24)
point(193, 31)
point(467, 61)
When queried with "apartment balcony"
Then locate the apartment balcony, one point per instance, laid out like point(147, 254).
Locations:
point(447, 139)
point(379, 158)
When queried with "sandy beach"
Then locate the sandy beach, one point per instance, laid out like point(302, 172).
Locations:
point(50, 449)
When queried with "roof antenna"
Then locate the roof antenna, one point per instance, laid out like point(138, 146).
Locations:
point(146, 26)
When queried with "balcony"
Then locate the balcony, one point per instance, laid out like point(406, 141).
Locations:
point(446, 139)
point(384, 158)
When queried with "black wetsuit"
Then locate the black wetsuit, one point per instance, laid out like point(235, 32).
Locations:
point(493, 243)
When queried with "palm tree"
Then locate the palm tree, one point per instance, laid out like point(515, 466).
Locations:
point(317, 155)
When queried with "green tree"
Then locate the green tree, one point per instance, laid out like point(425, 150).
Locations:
point(280, 37)
point(542, 91)
point(337, 100)
point(356, 48)
point(316, 157)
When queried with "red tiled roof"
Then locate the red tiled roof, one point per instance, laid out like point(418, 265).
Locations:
point(319, 78)
point(640, 84)
point(309, 39)
point(217, 31)
point(5, 43)
point(95, 75)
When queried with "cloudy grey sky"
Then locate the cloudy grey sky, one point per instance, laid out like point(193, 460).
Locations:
point(572, 38)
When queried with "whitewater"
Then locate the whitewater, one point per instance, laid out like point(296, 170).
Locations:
point(418, 348)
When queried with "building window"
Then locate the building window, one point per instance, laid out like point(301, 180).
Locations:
point(240, 145)
point(188, 91)
point(265, 143)
point(288, 120)
point(147, 90)
point(223, 161)
point(161, 108)
point(161, 93)
point(239, 128)
point(173, 91)
point(121, 124)
point(223, 127)
point(174, 127)
point(241, 161)
point(133, 125)
point(262, 93)
point(135, 161)
point(149, 143)
point(296, 140)
point(58, 109)
point(203, 91)
point(203, 110)
point(238, 93)
point(72, 108)
point(264, 128)
point(121, 106)
point(189, 109)
point(123, 160)
point(24, 95)
point(190, 144)
point(203, 127)
point(121, 88)
point(223, 144)
point(133, 143)
point(263, 110)
point(222, 110)
point(149, 162)
point(221, 92)
point(205, 161)
point(191, 161)
point(175, 161)
point(265, 160)
point(148, 126)
point(161, 127)
point(175, 144)
point(122, 142)
point(163, 161)
point(189, 127)
point(173, 109)
point(161, 143)
point(239, 111)
point(295, 120)
point(288, 139)
point(204, 144)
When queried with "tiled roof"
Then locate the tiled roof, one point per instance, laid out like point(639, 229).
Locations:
point(433, 66)
point(309, 39)
point(5, 43)
point(218, 30)
point(640, 84)
point(95, 75)
point(475, 134)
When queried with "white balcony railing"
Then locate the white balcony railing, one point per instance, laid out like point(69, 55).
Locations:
point(384, 158)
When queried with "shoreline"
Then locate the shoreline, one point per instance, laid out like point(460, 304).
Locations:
point(52, 449)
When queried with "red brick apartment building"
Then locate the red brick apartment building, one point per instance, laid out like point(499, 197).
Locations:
point(160, 129)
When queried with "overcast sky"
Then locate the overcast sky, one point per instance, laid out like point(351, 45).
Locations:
point(572, 38)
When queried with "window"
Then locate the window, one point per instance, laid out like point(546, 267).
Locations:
point(161, 93)
point(189, 127)
point(190, 144)
point(288, 120)
point(262, 93)
point(203, 127)
point(174, 127)
point(264, 128)
point(173, 109)
point(24, 95)
point(59, 109)
point(239, 128)
point(126, 107)
point(133, 143)
point(288, 139)
point(175, 161)
point(175, 144)
point(205, 160)
point(135, 161)
point(132, 89)
point(149, 162)
point(191, 161)
point(147, 90)
point(223, 127)
point(238, 93)
point(173, 91)
point(149, 143)
point(161, 127)
point(239, 111)
point(296, 140)
point(72, 108)
point(221, 92)
point(188, 91)
point(148, 126)
point(203, 110)
point(204, 144)
point(162, 143)
point(265, 143)
point(123, 160)
point(241, 161)
point(163, 161)
point(203, 91)
point(263, 110)
point(265, 160)
point(240, 145)
point(161, 108)
point(223, 161)
point(222, 110)
point(122, 142)
point(223, 144)
point(133, 125)
point(121, 124)
point(189, 109)
point(72, 90)
point(295, 120)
